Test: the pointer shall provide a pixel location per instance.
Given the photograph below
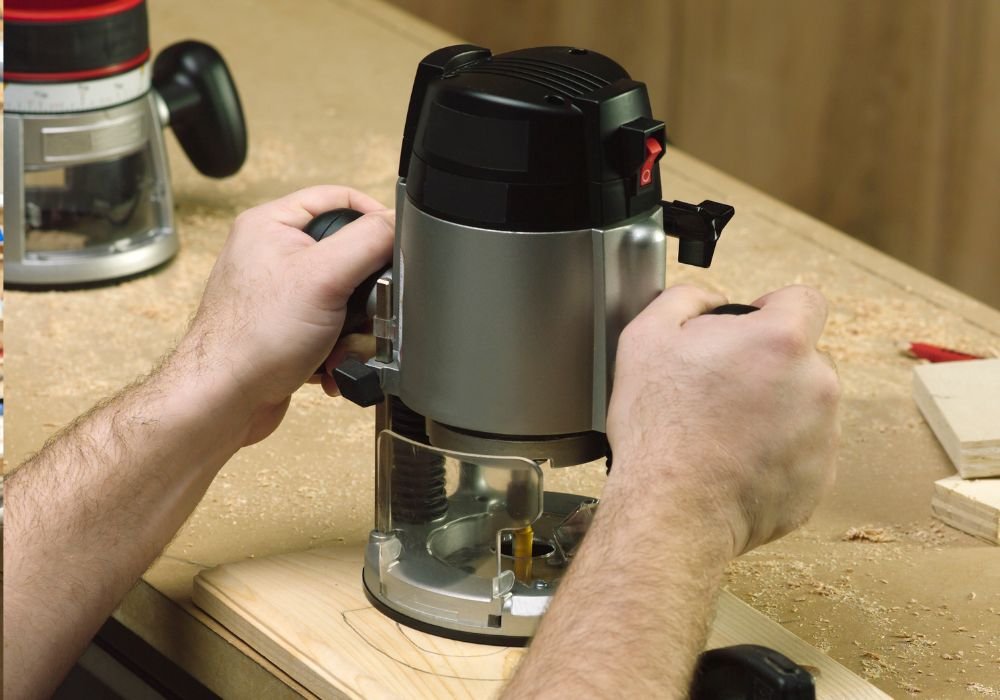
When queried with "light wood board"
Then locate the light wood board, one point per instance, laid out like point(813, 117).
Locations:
point(971, 505)
point(307, 614)
point(961, 403)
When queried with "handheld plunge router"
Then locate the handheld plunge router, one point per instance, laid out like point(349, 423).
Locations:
point(529, 232)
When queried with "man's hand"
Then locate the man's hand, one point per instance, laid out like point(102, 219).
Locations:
point(276, 299)
point(89, 513)
point(723, 431)
point(735, 413)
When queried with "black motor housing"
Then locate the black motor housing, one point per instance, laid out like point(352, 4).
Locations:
point(544, 139)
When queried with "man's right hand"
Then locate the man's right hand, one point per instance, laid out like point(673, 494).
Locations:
point(737, 415)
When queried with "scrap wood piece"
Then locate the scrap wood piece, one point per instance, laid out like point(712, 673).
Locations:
point(961, 403)
point(306, 612)
point(971, 505)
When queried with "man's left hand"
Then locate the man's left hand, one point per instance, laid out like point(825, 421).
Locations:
point(275, 301)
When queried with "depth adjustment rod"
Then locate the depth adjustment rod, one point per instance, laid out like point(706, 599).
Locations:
point(697, 227)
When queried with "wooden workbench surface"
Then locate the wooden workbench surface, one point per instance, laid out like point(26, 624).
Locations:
point(907, 603)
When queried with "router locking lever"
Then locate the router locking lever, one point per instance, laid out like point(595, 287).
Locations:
point(697, 226)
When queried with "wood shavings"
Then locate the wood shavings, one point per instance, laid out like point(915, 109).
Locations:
point(868, 534)
point(830, 598)
point(872, 665)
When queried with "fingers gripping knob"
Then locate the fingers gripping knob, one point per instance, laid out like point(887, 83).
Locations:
point(322, 227)
point(329, 222)
point(356, 381)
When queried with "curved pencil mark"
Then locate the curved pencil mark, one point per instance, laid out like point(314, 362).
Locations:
point(389, 656)
point(405, 631)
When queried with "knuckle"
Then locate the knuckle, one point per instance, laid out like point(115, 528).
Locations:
point(378, 222)
point(627, 340)
point(242, 219)
point(687, 291)
point(631, 346)
point(246, 220)
point(828, 387)
point(791, 341)
point(637, 331)
point(812, 298)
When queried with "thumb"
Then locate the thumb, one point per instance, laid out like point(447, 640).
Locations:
point(354, 252)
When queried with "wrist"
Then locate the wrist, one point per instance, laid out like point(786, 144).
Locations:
point(668, 494)
point(202, 389)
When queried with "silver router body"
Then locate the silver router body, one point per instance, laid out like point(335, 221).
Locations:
point(510, 358)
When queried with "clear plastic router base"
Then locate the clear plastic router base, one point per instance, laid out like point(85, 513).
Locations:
point(454, 575)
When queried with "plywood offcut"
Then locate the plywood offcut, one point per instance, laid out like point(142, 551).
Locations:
point(971, 505)
point(961, 403)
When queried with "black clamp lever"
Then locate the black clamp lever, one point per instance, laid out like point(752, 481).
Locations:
point(697, 226)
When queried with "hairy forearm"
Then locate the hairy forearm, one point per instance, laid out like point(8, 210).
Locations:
point(633, 613)
point(88, 514)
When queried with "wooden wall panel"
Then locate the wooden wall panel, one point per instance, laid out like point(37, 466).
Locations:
point(881, 117)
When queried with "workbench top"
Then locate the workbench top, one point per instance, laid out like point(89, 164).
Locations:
point(902, 600)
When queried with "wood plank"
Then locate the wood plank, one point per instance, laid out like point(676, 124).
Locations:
point(306, 613)
point(961, 403)
point(971, 505)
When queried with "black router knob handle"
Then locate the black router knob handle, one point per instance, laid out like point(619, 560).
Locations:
point(329, 222)
point(734, 309)
point(205, 111)
point(324, 226)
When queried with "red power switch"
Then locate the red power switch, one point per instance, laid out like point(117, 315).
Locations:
point(653, 151)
